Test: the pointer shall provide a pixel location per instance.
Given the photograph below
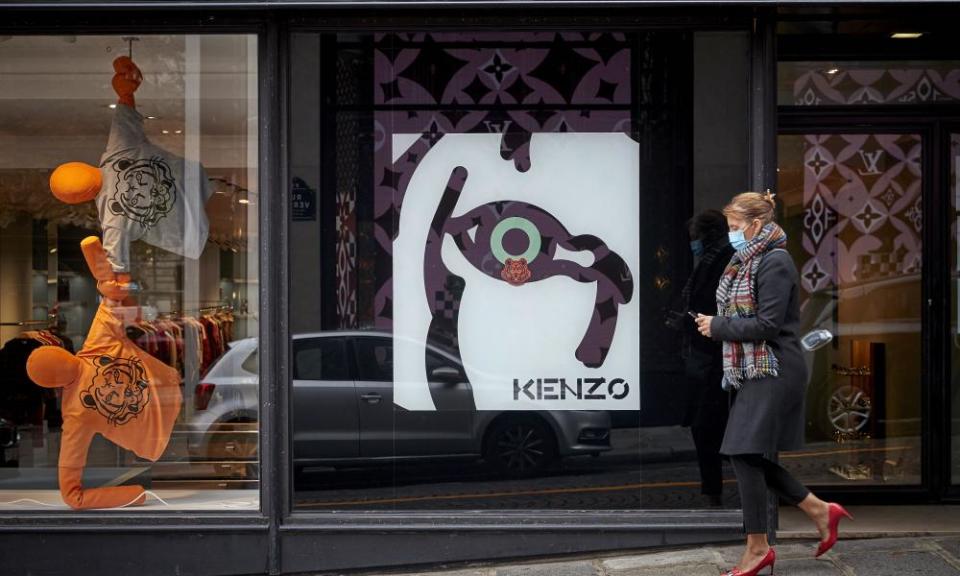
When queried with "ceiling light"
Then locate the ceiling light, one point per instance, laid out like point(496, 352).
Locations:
point(111, 106)
point(833, 71)
point(151, 117)
point(179, 132)
point(243, 201)
point(906, 35)
point(53, 250)
point(165, 131)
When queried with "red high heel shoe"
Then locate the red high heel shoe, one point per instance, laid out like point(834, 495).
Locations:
point(835, 513)
point(767, 560)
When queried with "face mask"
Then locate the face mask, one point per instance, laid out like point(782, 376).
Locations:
point(696, 247)
point(737, 239)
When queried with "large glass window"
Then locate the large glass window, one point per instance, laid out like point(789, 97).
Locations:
point(128, 272)
point(495, 226)
point(955, 305)
point(853, 203)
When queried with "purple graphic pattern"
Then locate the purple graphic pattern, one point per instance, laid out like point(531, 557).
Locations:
point(514, 84)
point(872, 86)
point(862, 208)
point(608, 270)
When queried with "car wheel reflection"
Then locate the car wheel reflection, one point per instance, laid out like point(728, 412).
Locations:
point(849, 409)
point(520, 447)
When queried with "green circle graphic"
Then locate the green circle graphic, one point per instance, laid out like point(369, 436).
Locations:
point(515, 223)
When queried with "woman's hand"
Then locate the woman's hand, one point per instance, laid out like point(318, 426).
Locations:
point(703, 324)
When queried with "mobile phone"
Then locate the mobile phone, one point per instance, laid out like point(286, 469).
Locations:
point(692, 314)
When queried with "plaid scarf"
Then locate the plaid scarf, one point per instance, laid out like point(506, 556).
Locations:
point(737, 298)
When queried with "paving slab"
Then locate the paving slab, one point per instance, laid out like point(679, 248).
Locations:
point(951, 546)
point(907, 556)
point(688, 570)
point(661, 559)
point(858, 545)
point(897, 563)
point(808, 567)
point(731, 554)
point(583, 568)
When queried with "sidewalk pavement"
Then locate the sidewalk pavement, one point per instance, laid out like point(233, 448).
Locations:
point(883, 541)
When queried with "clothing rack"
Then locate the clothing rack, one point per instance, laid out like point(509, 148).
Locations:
point(51, 322)
point(179, 313)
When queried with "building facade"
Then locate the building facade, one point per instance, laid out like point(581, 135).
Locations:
point(408, 281)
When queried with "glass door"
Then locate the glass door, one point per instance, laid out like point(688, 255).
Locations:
point(852, 211)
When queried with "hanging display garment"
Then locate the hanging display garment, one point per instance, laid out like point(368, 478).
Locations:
point(112, 388)
point(149, 194)
point(143, 192)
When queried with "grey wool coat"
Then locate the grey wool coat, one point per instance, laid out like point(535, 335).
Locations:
point(767, 415)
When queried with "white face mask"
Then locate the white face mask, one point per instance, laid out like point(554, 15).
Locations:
point(737, 239)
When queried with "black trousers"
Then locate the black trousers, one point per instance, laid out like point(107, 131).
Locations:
point(755, 476)
point(707, 440)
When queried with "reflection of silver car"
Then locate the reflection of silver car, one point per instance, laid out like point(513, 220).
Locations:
point(343, 412)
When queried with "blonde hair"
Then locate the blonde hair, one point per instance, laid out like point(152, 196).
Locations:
point(752, 206)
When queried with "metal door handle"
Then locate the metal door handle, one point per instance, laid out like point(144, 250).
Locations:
point(373, 398)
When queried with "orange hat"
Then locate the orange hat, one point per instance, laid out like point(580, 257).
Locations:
point(75, 182)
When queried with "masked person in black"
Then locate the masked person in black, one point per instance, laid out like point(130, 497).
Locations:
point(707, 403)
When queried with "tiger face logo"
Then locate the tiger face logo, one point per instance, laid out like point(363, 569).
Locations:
point(146, 190)
point(119, 391)
point(516, 271)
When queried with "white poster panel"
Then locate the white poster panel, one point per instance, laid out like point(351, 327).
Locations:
point(547, 313)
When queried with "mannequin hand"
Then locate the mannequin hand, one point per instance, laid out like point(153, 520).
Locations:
point(126, 80)
point(703, 324)
point(116, 289)
point(111, 285)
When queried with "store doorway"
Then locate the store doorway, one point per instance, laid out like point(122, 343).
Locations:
point(853, 210)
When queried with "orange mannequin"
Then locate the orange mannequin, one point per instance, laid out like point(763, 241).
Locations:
point(110, 387)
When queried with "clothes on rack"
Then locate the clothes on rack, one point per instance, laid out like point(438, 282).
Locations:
point(191, 345)
point(22, 402)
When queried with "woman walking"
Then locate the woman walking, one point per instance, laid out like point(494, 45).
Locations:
point(763, 367)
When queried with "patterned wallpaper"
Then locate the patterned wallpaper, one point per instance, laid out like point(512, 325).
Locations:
point(823, 83)
point(514, 84)
point(862, 216)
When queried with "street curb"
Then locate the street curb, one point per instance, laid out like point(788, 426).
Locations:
point(868, 534)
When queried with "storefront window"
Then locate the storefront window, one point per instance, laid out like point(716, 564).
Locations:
point(128, 272)
point(852, 83)
point(853, 204)
point(488, 235)
point(955, 304)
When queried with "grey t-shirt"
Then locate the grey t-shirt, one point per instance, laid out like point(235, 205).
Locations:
point(149, 194)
